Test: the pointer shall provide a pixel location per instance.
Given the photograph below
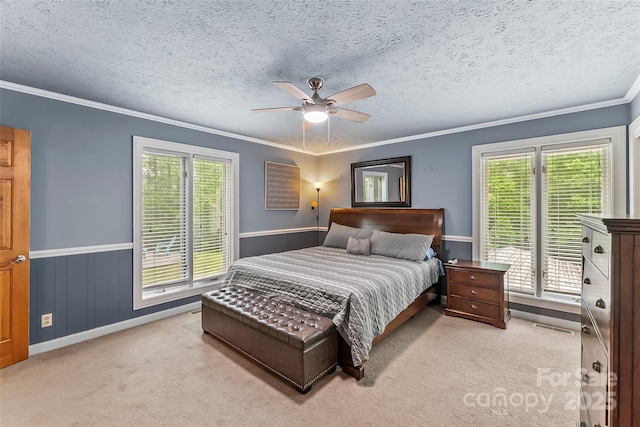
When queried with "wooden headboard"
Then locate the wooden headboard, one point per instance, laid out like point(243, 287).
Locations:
point(417, 221)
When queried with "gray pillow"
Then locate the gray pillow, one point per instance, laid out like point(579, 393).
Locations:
point(395, 245)
point(338, 235)
point(359, 246)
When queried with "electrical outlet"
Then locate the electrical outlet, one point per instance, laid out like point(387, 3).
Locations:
point(47, 320)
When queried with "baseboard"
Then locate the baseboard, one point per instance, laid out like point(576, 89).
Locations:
point(109, 329)
point(553, 321)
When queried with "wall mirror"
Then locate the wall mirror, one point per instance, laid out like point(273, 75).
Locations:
point(381, 183)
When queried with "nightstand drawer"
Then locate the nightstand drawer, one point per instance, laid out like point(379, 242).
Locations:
point(474, 307)
point(474, 278)
point(476, 293)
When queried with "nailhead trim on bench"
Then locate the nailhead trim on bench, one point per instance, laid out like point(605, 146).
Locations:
point(301, 387)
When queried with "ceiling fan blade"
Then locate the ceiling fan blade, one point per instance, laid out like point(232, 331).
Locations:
point(354, 116)
point(354, 94)
point(294, 91)
point(271, 110)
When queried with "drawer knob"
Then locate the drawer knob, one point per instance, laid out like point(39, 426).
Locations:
point(475, 307)
point(598, 249)
point(600, 303)
point(473, 292)
point(586, 330)
point(581, 424)
point(472, 277)
point(585, 239)
point(585, 378)
point(586, 281)
point(596, 366)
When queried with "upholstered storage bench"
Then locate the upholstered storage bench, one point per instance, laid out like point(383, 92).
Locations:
point(297, 345)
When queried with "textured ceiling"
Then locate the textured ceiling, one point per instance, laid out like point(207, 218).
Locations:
point(434, 64)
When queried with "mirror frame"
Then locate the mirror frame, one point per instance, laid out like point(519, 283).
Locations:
point(407, 183)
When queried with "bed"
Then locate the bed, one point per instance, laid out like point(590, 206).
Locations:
point(361, 294)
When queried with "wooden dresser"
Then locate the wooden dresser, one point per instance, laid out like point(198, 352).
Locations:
point(477, 290)
point(610, 335)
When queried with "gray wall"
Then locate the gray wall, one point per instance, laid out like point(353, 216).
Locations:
point(81, 195)
point(441, 166)
point(87, 291)
point(441, 171)
point(635, 108)
point(81, 171)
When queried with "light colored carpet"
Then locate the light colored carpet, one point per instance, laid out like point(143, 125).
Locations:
point(433, 371)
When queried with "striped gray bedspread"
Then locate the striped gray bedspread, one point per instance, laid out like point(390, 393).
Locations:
point(362, 294)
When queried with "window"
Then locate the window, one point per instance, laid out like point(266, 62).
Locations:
point(526, 195)
point(375, 186)
point(185, 219)
point(508, 215)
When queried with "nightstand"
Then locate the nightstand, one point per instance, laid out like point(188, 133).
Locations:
point(478, 290)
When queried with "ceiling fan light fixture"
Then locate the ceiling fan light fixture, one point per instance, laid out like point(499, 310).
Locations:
point(315, 113)
point(315, 116)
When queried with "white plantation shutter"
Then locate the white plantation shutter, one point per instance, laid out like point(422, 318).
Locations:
point(164, 221)
point(211, 213)
point(574, 180)
point(508, 216)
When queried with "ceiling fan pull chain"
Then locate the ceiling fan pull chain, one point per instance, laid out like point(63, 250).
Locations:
point(304, 147)
point(329, 130)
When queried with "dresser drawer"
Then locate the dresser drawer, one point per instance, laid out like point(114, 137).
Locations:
point(594, 383)
point(476, 293)
point(475, 278)
point(601, 251)
point(586, 242)
point(475, 307)
point(596, 295)
point(591, 336)
point(584, 415)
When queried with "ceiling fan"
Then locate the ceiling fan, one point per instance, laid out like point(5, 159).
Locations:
point(316, 109)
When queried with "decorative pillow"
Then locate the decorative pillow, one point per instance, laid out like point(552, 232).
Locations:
point(396, 245)
point(338, 235)
point(359, 246)
point(430, 253)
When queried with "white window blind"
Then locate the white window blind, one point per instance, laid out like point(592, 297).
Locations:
point(185, 219)
point(164, 220)
point(508, 215)
point(211, 210)
point(574, 180)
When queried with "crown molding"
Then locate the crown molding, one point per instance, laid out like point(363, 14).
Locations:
point(127, 112)
point(631, 93)
point(502, 122)
point(633, 90)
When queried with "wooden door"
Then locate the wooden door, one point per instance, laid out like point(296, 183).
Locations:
point(15, 179)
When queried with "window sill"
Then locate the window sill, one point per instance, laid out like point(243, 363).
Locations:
point(566, 304)
point(151, 298)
